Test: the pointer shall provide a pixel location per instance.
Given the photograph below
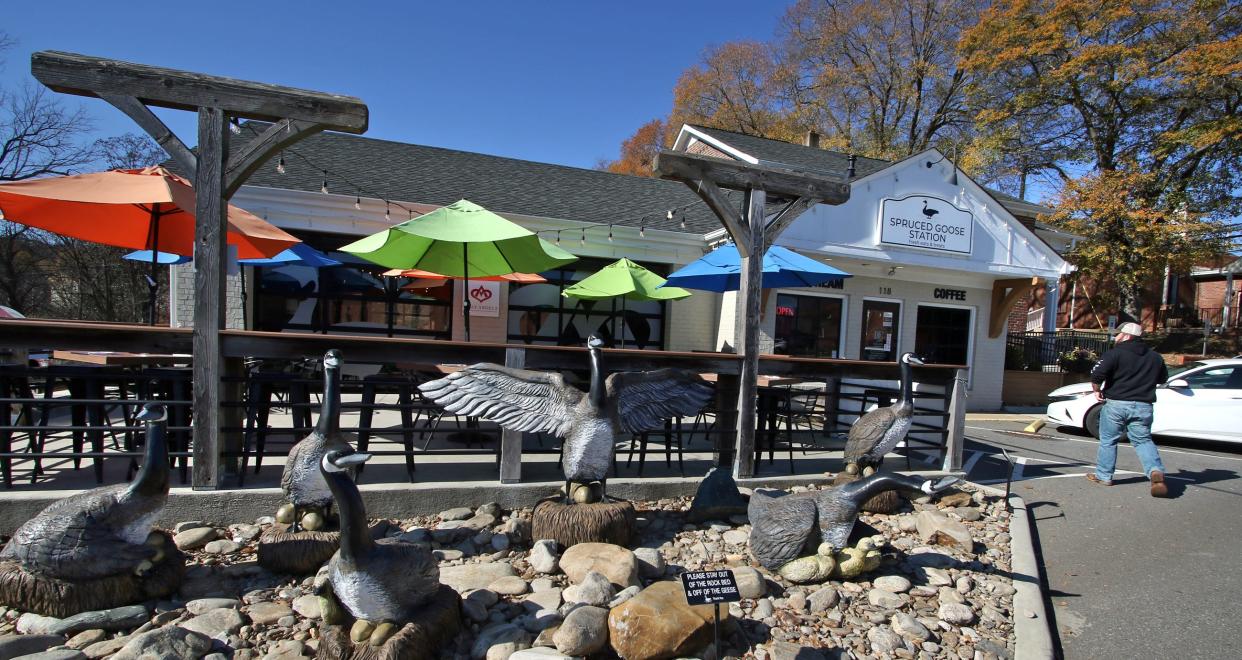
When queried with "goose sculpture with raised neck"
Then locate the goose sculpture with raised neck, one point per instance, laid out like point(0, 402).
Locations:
point(588, 422)
point(881, 430)
point(308, 495)
point(381, 582)
point(105, 531)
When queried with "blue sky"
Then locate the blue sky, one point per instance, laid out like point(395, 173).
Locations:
point(553, 81)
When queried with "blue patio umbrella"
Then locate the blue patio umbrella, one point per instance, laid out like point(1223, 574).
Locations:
point(721, 270)
point(165, 258)
point(298, 254)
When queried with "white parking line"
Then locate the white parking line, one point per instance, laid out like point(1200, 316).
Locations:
point(1093, 442)
point(970, 462)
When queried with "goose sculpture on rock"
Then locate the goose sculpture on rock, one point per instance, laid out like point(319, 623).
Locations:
point(784, 528)
point(589, 422)
point(301, 480)
point(879, 431)
point(379, 582)
point(105, 531)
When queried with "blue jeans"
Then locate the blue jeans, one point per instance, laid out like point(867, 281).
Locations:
point(1135, 418)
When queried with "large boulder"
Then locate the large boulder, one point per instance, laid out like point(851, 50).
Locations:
point(167, 642)
point(657, 624)
point(584, 631)
point(616, 563)
point(938, 528)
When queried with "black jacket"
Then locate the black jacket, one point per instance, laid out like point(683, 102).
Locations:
point(1130, 372)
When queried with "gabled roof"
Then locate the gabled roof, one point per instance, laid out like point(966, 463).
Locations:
point(835, 163)
point(432, 175)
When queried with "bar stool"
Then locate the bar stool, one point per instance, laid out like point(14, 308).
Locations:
point(261, 386)
point(15, 384)
point(403, 387)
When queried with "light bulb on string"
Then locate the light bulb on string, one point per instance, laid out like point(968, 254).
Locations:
point(558, 239)
point(642, 231)
point(358, 202)
point(387, 211)
point(582, 238)
point(609, 233)
point(411, 213)
point(324, 188)
point(235, 126)
point(280, 164)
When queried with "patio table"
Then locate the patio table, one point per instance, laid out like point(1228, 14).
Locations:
point(123, 359)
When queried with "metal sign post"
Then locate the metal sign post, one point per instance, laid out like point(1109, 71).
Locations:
point(715, 587)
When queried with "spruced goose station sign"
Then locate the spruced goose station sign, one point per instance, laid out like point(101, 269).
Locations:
point(923, 221)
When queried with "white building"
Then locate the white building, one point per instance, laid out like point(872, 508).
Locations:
point(933, 255)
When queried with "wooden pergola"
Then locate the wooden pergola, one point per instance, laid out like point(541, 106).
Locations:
point(752, 230)
point(217, 174)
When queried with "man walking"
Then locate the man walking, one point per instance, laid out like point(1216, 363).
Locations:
point(1125, 379)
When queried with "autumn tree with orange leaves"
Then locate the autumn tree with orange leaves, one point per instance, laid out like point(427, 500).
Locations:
point(1134, 106)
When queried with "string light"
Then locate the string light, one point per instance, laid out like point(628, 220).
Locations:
point(582, 238)
point(558, 238)
point(609, 233)
point(235, 126)
point(280, 164)
point(324, 188)
point(411, 213)
point(358, 202)
point(642, 230)
point(387, 211)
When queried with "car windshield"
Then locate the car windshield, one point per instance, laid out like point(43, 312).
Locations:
point(1184, 368)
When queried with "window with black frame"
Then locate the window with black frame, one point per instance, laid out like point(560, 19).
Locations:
point(539, 314)
point(808, 326)
point(942, 334)
point(352, 298)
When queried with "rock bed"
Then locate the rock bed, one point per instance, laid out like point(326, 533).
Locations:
point(933, 596)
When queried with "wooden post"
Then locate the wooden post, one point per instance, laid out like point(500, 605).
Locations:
point(748, 339)
point(511, 441)
point(209, 301)
point(726, 420)
point(832, 404)
point(956, 440)
point(232, 417)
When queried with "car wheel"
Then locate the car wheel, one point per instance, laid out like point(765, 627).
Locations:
point(1092, 421)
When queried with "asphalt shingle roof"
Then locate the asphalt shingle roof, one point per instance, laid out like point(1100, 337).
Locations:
point(432, 175)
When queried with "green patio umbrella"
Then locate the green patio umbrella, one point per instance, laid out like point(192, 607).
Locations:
point(626, 280)
point(461, 240)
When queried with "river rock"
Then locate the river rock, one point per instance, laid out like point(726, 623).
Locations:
point(106, 648)
point(884, 640)
point(595, 589)
point(750, 582)
point(510, 585)
point(657, 623)
point(193, 539)
point(735, 537)
point(117, 618)
point(82, 639)
point(167, 642)
point(936, 527)
point(583, 632)
point(499, 641)
point(543, 557)
point(613, 561)
point(936, 577)
point(307, 606)
point(55, 654)
point(956, 613)
point(457, 513)
point(12, 646)
point(885, 599)
point(221, 547)
point(218, 623)
point(201, 605)
point(267, 612)
point(788, 651)
point(545, 599)
point(717, 497)
point(823, 599)
point(468, 577)
point(651, 562)
point(539, 653)
point(907, 626)
point(894, 583)
point(35, 624)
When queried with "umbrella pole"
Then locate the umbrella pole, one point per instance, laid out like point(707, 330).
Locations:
point(153, 284)
point(465, 289)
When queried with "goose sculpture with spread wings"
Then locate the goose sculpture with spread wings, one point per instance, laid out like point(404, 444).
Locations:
point(588, 422)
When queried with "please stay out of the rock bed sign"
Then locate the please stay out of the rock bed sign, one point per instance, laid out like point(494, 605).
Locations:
point(706, 587)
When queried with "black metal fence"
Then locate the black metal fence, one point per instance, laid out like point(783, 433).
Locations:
point(1060, 350)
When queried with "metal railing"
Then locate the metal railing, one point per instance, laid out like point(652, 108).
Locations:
point(1046, 351)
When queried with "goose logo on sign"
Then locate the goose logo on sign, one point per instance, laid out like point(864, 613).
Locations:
point(923, 221)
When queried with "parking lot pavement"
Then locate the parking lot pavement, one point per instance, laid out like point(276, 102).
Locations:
point(1127, 575)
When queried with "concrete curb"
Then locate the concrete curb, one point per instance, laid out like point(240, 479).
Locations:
point(1032, 634)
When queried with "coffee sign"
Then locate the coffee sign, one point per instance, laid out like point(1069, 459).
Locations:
point(923, 221)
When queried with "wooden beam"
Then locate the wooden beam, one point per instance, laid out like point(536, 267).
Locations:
point(1003, 302)
point(209, 302)
point(85, 75)
point(159, 132)
point(737, 175)
point(781, 221)
point(510, 440)
point(716, 200)
point(259, 150)
point(747, 335)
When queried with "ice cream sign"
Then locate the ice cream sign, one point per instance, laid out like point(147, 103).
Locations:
point(923, 221)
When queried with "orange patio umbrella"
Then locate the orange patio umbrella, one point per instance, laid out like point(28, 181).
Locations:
point(427, 279)
point(143, 209)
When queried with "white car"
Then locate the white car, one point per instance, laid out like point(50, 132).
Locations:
point(1201, 400)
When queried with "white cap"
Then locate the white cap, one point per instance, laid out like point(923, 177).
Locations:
point(1132, 329)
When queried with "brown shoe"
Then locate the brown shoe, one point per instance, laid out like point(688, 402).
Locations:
point(1158, 489)
point(1096, 480)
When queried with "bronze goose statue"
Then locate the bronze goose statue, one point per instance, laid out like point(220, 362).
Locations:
point(879, 431)
point(588, 422)
point(301, 480)
point(105, 531)
point(379, 582)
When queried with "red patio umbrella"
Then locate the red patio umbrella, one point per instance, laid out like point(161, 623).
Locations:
point(143, 209)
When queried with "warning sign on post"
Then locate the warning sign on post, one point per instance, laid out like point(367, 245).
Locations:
point(706, 587)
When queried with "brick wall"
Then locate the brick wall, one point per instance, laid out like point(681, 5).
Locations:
point(181, 293)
